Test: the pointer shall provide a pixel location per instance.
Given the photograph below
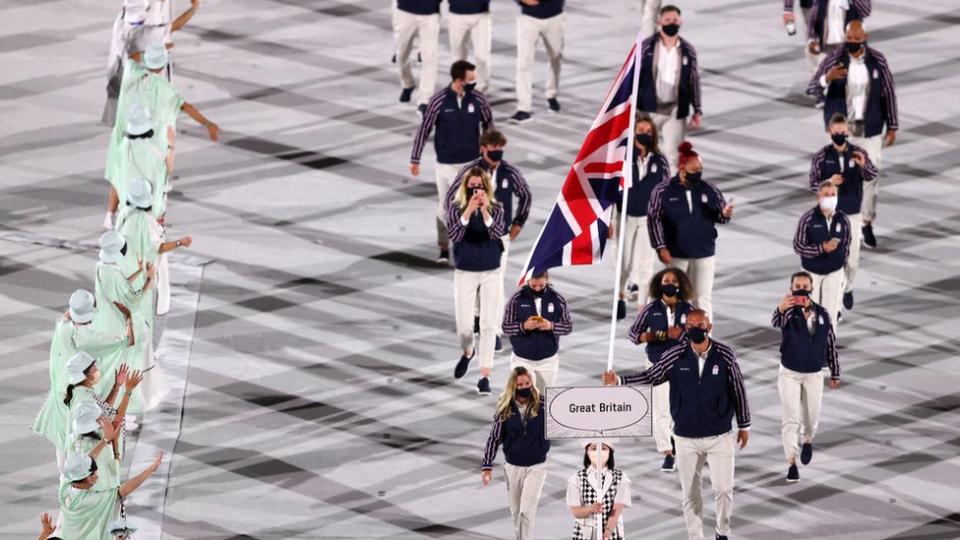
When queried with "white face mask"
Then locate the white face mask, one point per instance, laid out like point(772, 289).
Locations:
point(828, 204)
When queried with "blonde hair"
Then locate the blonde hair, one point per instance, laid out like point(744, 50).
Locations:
point(462, 194)
point(509, 391)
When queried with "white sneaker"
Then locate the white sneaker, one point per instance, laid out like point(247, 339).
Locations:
point(108, 221)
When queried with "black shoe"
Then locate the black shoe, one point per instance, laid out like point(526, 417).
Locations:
point(721, 537)
point(405, 95)
point(554, 105)
point(462, 365)
point(422, 109)
point(669, 464)
point(520, 117)
point(633, 291)
point(673, 446)
point(483, 386)
point(476, 325)
point(848, 300)
point(499, 345)
point(839, 316)
point(793, 474)
point(869, 239)
point(621, 310)
point(444, 257)
point(806, 453)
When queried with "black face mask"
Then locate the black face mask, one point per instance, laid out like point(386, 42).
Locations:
point(536, 293)
point(644, 139)
point(525, 393)
point(670, 29)
point(697, 335)
point(123, 250)
point(469, 86)
point(801, 292)
point(670, 290)
point(495, 155)
point(854, 47)
point(694, 177)
point(838, 139)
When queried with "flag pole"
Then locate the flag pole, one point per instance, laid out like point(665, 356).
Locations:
point(627, 173)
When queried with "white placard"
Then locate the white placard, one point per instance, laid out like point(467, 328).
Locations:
point(591, 412)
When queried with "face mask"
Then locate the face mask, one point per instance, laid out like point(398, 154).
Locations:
point(838, 138)
point(854, 47)
point(536, 293)
point(469, 86)
point(604, 455)
point(644, 139)
point(697, 335)
point(495, 155)
point(801, 292)
point(829, 204)
point(670, 29)
point(694, 177)
point(670, 290)
point(525, 393)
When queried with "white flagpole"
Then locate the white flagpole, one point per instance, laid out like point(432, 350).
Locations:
point(599, 525)
point(627, 173)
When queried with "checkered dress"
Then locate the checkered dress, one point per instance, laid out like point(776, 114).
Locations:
point(588, 496)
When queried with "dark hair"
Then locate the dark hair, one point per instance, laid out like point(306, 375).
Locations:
point(838, 118)
point(801, 274)
point(586, 456)
point(654, 134)
point(146, 135)
point(686, 287)
point(69, 396)
point(459, 69)
point(493, 137)
point(669, 7)
point(540, 275)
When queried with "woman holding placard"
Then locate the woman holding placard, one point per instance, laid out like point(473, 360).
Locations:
point(598, 488)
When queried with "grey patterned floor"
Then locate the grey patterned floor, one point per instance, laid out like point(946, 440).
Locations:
point(319, 401)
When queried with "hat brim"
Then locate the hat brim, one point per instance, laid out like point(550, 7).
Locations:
point(82, 318)
point(110, 257)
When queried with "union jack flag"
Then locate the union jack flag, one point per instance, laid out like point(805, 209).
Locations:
point(576, 231)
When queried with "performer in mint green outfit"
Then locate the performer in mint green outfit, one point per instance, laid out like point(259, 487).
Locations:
point(87, 507)
point(142, 154)
point(143, 84)
point(75, 331)
point(121, 280)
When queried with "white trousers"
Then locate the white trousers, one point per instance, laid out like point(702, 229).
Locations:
point(691, 455)
point(800, 398)
point(505, 239)
point(638, 257)
point(701, 273)
point(874, 148)
point(466, 288)
point(472, 31)
point(544, 371)
point(650, 13)
point(828, 291)
point(446, 173)
point(853, 258)
point(524, 485)
point(529, 31)
point(672, 131)
point(662, 420)
point(426, 28)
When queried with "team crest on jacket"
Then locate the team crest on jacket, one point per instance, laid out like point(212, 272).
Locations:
point(470, 108)
point(550, 307)
point(703, 198)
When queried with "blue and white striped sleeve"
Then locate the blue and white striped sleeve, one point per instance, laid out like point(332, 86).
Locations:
point(493, 443)
point(563, 325)
point(426, 126)
point(641, 322)
point(511, 326)
point(816, 165)
point(736, 387)
point(801, 244)
point(658, 373)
